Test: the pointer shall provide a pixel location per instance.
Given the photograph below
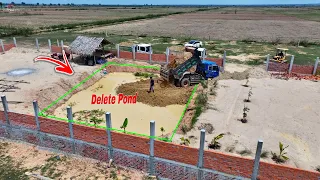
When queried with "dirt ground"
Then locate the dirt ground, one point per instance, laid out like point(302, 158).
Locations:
point(41, 16)
point(162, 96)
point(215, 25)
point(18, 158)
point(280, 111)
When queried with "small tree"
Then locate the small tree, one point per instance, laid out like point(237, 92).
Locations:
point(184, 141)
point(281, 158)
point(249, 95)
point(162, 130)
point(96, 120)
point(214, 143)
point(124, 125)
point(244, 114)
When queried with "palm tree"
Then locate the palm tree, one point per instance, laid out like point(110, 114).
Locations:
point(124, 125)
point(281, 158)
point(214, 143)
point(162, 130)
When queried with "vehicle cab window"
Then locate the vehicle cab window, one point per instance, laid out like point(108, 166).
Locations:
point(215, 68)
point(142, 49)
point(210, 68)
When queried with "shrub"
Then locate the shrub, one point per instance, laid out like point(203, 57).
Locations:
point(281, 158)
point(214, 143)
point(264, 154)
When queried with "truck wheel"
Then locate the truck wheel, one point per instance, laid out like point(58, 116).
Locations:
point(185, 82)
point(90, 62)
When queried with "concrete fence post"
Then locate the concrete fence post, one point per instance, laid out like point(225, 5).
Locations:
point(167, 55)
point(2, 46)
point(109, 126)
point(62, 46)
point(49, 43)
point(37, 44)
point(291, 63)
point(36, 115)
point(5, 108)
point(58, 44)
point(268, 60)
point(14, 41)
point(133, 48)
point(151, 158)
point(200, 156)
point(150, 55)
point(315, 66)
point(70, 121)
point(257, 161)
point(224, 58)
point(118, 50)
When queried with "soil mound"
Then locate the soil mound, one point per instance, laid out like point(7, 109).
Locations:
point(162, 97)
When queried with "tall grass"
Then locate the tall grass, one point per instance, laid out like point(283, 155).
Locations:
point(7, 31)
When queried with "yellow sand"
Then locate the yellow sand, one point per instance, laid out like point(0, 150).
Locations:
point(139, 114)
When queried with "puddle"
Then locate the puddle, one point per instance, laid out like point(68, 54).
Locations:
point(139, 114)
point(20, 72)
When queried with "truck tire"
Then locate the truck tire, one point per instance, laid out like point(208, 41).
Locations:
point(90, 62)
point(185, 82)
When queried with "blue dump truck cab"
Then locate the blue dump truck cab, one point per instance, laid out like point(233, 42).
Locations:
point(181, 76)
point(209, 69)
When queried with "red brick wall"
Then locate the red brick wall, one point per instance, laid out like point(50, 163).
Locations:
point(219, 61)
point(278, 67)
point(302, 69)
point(146, 57)
point(57, 49)
point(142, 56)
point(221, 162)
point(7, 47)
point(126, 55)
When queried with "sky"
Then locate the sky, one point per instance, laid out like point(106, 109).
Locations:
point(169, 2)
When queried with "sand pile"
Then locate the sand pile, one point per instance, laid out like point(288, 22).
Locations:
point(176, 48)
point(161, 97)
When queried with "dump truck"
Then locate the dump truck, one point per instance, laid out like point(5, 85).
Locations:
point(182, 77)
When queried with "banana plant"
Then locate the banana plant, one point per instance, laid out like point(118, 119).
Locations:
point(124, 125)
point(185, 141)
point(281, 158)
point(214, 143)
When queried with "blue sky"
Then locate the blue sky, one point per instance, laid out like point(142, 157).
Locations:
point(221, 2)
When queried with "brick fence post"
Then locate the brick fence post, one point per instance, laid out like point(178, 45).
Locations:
point(50, 47)
point(58, 44)
point(151, 158)
point(257, 161)
point(267, 64)
point(2, 46)
point(133, 48)
point(37, 44)
point(109, 126)
point(200, 156)
point(315, 66)
point(224, 58)
point(36, 115)
point(70, 121)
point(118, 50)
point(150, 55)
point(167, 55)
point(14, 41)
point(291, 64)
point(5, 108)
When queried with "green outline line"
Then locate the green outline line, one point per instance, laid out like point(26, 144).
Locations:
point(42, 113)
point(183, 113)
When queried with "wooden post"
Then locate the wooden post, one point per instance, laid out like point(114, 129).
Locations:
point(133, 49)
point(167, 55)
point(118, 50)
point(62, 46)
point(2, 46)
point(109, 126)
point(150, 55)
point(257, 161)
point(200, 155)
point(58, 44)
point(268, 60)
point(151, 149)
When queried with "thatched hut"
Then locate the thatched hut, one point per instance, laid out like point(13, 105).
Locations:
point(89, 48)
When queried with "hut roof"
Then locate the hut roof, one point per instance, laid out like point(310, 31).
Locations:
point(86, 45)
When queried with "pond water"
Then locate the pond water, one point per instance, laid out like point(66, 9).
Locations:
point(139, 115)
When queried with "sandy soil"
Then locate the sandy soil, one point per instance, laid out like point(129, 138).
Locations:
point(44, 77)
point(240, 26)
point(280, 111)
point(162, 96)
point(166, 114)
point(70, 166)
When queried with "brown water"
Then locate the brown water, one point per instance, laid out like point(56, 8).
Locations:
point(139, 114)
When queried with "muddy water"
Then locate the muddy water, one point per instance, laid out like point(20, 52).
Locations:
point(139, 114)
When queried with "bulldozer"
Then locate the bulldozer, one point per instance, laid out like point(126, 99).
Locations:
point(280, 55)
